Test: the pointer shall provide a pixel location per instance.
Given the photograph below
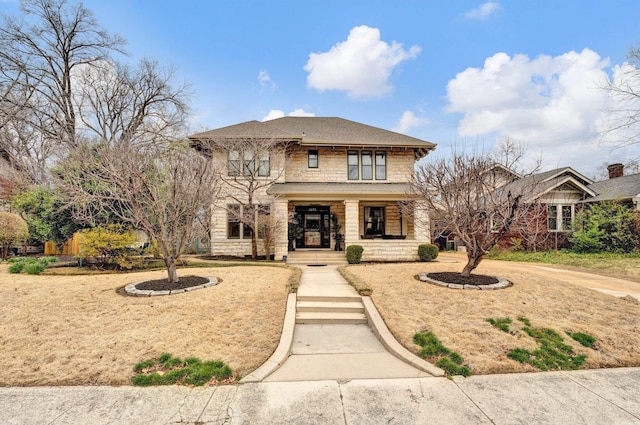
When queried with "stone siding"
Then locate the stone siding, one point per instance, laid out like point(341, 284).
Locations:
point(332, 165)
point(388, 250)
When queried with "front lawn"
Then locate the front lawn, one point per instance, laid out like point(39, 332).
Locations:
point(459, 318)
point(76, 330)
point(624, 266)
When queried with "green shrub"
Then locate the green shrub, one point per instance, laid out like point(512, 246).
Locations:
point(606, 226)
point(354, 254)
point(16, 267)
point(427, 252)
point(34, 268)
point(48, 260)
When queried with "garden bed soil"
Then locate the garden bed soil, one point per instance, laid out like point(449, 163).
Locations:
point(457, 278)
point(165, 285)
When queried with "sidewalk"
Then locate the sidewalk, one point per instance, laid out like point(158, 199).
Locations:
point(334, 341)
point(583, 397)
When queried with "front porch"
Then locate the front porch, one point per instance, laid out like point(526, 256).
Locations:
point(383, 227)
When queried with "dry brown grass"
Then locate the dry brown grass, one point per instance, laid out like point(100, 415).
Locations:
point(458, 317)
point(72, 330)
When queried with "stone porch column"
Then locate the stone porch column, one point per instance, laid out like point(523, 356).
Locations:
point(351, 222)
point(281, 212)
point(421, 223)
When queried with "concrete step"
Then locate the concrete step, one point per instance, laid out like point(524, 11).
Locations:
point(313, 257)
point(328, 307)
point(330, 298)
point(330, 318)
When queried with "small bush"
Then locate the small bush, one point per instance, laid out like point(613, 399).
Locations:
point(427, 252)
point(34, 268)
point(48, 260)
point(354, 254)
point(16, 267)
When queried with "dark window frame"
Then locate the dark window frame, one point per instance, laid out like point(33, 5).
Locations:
point(233, 221)
point(381, 168)
point(378, 227)
point(355, 167)
point(313, 158)
point(366, 169)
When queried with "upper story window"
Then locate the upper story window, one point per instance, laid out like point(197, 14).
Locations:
point(313, 158)
point(381, 165)
point(249, 162)
point(365, 165)
point(353, 165)
point(559, 217)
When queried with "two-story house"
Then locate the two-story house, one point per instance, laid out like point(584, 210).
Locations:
point(320, 171)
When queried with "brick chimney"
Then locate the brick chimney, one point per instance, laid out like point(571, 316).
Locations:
point(615, 170)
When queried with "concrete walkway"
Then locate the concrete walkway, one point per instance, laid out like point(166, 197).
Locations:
point(582, 397)
point(334, 344)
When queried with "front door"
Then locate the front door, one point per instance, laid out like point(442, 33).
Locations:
point(316, 227)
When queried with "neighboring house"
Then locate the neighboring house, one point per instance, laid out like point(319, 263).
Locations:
point(321, 168)
point(618, 187)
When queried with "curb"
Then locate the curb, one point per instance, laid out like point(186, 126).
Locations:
point(284, 346)
point(391, 344)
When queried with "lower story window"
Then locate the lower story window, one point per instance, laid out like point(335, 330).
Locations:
point(559, 217)
point(233, 221)
point(240, 221)
point(374, 220)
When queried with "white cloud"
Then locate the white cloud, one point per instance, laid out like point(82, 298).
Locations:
point(553, 104)
point(361, 65)
point(409, 121)
point(277, 113)
point(483, 11)
point(266, 83)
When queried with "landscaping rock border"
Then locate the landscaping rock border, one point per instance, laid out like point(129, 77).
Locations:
point(502, 283)
point(132, 290)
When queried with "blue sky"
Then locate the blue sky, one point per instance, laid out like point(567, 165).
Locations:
point(451, 72)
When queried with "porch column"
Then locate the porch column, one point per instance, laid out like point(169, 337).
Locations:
point(421, 223)
point(281, 212)
point(351, 222)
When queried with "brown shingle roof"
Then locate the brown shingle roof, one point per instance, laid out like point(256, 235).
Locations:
point(361, 189)
point(316, 131)
point(619, 188)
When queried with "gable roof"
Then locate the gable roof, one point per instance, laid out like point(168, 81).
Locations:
point(619, 188)
point(536, 185)
point(316, 131)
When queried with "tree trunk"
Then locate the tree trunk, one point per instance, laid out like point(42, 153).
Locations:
point(170, 262)
point(254, 244)
point(472, 263)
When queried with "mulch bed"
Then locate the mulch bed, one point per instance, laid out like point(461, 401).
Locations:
point(164, 285)
point(453, 277)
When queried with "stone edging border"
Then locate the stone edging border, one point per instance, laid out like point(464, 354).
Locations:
point(132, 290)
point(502, 283)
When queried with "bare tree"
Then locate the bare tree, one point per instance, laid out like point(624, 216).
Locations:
point(251, 168)
point(39, 55)
point(460, 192)
point(161, 192)
point(141, 105)
point(533, 229)
point(623, 126)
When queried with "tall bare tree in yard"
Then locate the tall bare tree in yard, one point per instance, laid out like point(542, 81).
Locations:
point(39, 55)
point(159, 191)
point(462, 194)
point(623, 127)
point(252, 167)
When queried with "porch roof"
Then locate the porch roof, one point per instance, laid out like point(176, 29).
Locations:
point(340, 191)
